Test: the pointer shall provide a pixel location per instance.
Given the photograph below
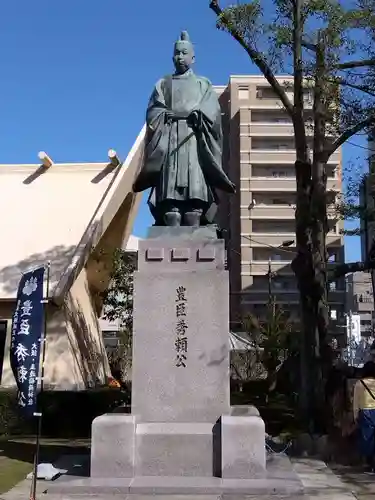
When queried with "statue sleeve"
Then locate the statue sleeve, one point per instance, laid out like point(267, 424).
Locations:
point(210, 139)
point(156, 141)
point(209, 104)
point(156, 107)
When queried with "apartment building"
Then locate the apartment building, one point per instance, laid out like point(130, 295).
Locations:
point(360, 300)
point(259, 155)
point(367, 201)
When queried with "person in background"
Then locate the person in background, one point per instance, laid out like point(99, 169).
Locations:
point(364, 412)
point(372, 352)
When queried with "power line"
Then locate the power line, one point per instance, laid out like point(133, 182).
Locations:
point(283, 249)
point(360, 146)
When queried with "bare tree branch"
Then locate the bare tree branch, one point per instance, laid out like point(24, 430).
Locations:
point(342, 81)
point(299, 123)
point(353, 267)
point(350, 267)
point(309, 46)
point(347, 135)
point(255, 56)
point(355, 64)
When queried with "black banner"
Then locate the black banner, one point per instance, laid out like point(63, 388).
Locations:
point(27, 330)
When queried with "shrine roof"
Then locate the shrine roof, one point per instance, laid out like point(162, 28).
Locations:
point(59, 213)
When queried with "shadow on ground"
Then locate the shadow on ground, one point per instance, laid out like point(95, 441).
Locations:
point(73, 455)
point(361, 483)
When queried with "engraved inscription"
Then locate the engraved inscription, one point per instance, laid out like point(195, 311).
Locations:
point(181, 342)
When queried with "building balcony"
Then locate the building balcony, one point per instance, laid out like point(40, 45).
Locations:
point(260, 268)
point(282, 171)
point(269, 129)
point(275, 212)
point(289, 296)
point(275, 240)
point(364, 307)
point(277, 184)
point(273, 129)
point(258, 103)
point(277, 156)
point(268, 212)
point(280, 267)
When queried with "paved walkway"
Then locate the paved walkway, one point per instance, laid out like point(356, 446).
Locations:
point(360, 483)
point(320, 482)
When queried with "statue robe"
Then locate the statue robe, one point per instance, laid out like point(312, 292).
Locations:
point(180, 164)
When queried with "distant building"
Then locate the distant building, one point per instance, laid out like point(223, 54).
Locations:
point(367, 201)
point(259, 156)
point(72, 215)
point(360, 300)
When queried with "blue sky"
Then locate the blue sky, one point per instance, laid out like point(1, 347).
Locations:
point(76, 74)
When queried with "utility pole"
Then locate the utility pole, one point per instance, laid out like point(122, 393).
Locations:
point(271, 298)
point(269, 276)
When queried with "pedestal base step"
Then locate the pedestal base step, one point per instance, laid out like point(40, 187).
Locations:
point(181, 487)
point(281, 480)
point(232, 448)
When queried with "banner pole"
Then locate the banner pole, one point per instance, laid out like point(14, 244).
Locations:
point(39, 414)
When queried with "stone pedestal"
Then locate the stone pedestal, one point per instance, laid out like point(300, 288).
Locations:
point(181, 328)
point(113, 446)
point(181, 424)
point(243, 447)
point(174, 449)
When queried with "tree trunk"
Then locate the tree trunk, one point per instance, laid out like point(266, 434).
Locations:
point(310, 269)
point(303, 267)
point(310, 265)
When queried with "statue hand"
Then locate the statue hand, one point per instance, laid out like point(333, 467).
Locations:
point(194, 120)
point(169, 115)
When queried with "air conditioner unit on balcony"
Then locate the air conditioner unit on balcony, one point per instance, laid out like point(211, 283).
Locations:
point(259, 94)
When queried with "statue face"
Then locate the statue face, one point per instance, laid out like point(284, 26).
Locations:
point(183, 57)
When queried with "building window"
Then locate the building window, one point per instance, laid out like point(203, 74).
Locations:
point(111, 339)
point(266, 93)
point(273, 226)
point(272, 171)
point(332, 226)
point(331, 171)
point(243, 93)
point(272, 144)
point(278, 283)
point(279, 173)
point(332, 257)
point(279, 201)
point(277, 257)
point(363, 298)
point(270, 117)
point(3, 335)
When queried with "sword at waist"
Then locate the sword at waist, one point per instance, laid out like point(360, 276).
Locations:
point(184, 141)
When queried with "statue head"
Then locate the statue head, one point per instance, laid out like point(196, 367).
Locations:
point(183, 56)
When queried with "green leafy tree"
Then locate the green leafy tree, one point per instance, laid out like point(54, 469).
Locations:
point(270, 337)
point(120, 357)
point(328, 48)
point(118, 298)
point(118, 305)
point(267, 341)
